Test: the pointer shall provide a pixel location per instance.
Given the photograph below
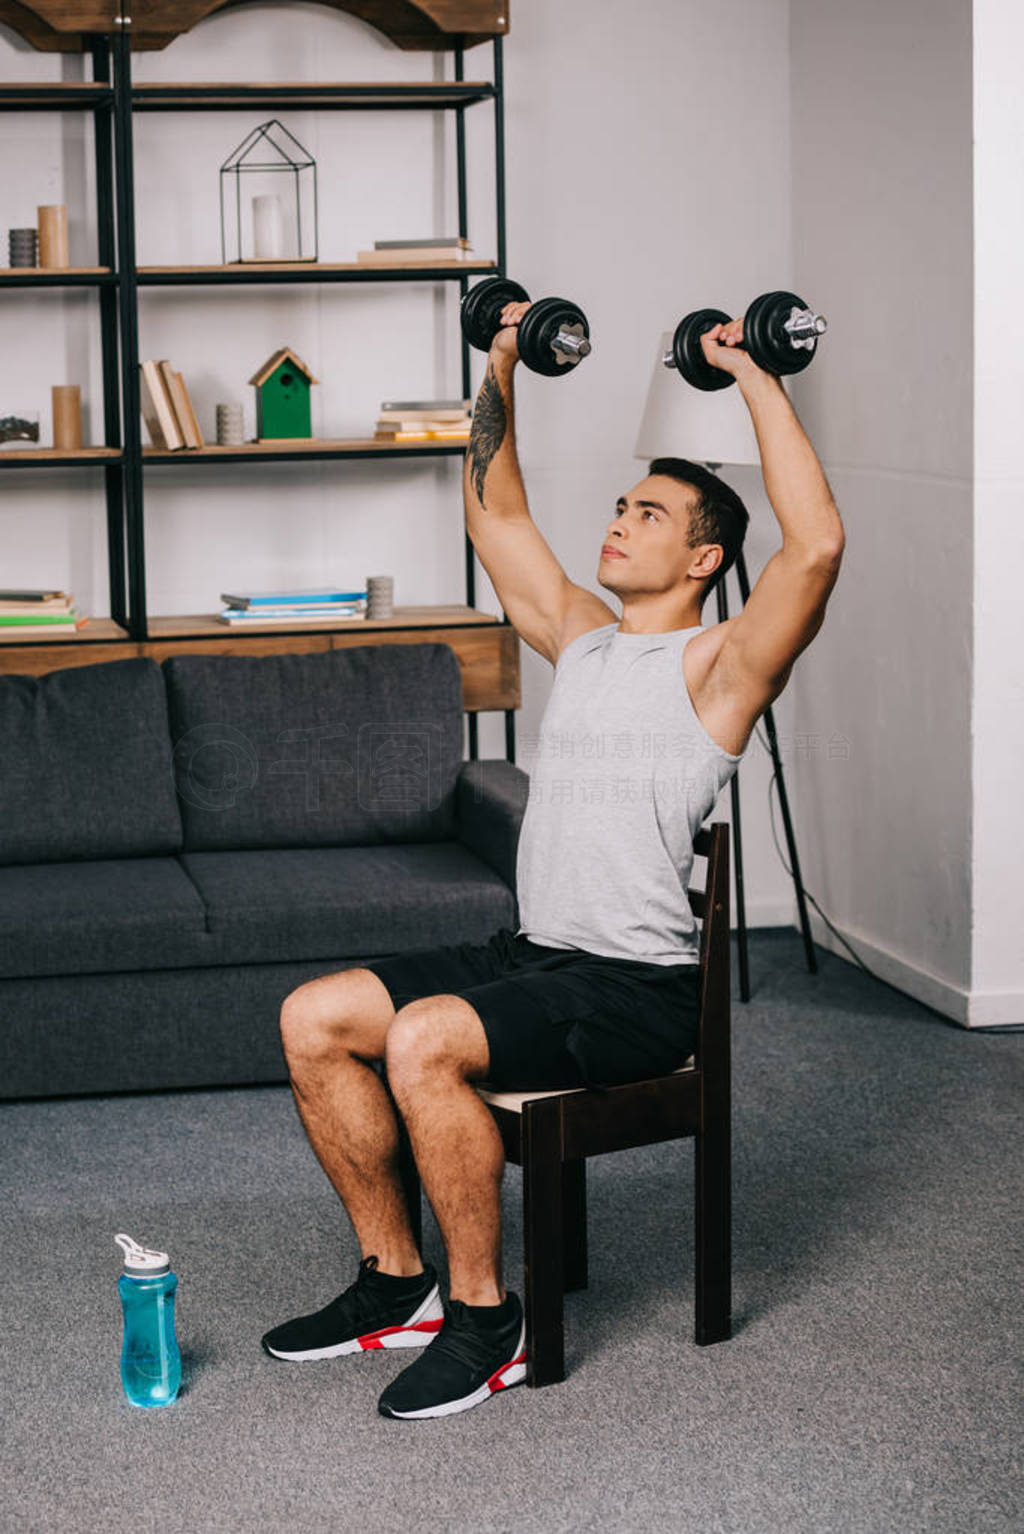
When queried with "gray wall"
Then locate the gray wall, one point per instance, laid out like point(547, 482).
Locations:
point(882, 236)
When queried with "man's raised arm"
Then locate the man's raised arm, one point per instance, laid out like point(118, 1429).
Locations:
point(794, 479)
point(531, 585)
point(786, 607)
point(492, 483)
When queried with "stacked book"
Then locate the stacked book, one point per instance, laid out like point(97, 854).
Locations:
point(429, 252)
point(39, 615)
point(321, 604)
point(166, 407)
point(423, 420)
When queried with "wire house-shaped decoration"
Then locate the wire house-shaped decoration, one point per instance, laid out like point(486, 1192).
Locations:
point(268, 199)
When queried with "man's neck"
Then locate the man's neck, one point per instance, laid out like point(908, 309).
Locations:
point(638, 619)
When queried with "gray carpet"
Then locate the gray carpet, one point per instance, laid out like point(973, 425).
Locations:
point(871, 1384)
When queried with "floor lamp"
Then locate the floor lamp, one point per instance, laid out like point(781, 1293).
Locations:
point(716, 429)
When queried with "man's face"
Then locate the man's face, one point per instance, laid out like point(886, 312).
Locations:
point(645, 547)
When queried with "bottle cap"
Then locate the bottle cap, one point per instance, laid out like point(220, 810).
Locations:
point(139, 1261)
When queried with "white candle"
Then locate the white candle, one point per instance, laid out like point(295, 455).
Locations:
point(267, 228)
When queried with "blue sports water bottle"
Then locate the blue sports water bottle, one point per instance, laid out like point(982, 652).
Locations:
point(150, 1360)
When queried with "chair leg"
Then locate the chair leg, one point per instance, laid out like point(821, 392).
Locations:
point(542, 1241)
point(574, 1225)
point(713, 1198)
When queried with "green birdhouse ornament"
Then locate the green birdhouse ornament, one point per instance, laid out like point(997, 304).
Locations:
point(282, 397)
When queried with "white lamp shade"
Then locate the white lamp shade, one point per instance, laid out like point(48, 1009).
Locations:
point(682, 422)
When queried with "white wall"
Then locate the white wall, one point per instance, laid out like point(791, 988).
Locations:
point(882, 205)
point(643, 180)
point(998, 720)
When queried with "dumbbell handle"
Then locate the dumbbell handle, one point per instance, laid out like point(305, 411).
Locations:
point(804, 328)
point(570, 343)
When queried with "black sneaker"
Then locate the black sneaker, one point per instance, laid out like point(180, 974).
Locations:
point(465, 1364)
point(368, 1315)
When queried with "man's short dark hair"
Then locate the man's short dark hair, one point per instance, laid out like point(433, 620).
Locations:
point(718, 517)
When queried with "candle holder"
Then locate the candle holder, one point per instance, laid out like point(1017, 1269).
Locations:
point(268, 199)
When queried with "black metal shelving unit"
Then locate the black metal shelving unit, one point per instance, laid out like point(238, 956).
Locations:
point(95, 96)
point(114, 100)
point(456, 96)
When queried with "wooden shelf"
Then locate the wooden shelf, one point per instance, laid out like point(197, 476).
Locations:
point(57, 457)
point(243, 273)
point(486, 648)
point(66, 25)
point(357, 96)
point(316, 447)
point(56, 276)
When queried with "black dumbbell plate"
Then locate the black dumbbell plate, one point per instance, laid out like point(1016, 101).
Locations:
point(766, 338)
point(688, 353)
point(538, 329)
point(482, 306)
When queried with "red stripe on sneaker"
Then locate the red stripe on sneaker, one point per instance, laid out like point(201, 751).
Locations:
point(371, 1340)
point(496, 1382)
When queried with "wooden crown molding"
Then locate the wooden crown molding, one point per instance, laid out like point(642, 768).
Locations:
point(64, 26)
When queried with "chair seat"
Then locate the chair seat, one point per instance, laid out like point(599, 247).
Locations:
point(513, 1101)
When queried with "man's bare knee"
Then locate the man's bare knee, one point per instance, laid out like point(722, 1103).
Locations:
point(334, 1015)
point(431, 1036)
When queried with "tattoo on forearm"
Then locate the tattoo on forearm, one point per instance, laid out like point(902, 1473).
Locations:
point(490, 423)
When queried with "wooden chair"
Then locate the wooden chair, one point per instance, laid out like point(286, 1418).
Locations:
point(551, 1134)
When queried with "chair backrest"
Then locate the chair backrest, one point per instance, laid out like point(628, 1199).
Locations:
point(711, 906)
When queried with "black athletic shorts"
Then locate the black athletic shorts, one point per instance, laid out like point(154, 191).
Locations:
point(557, 1017)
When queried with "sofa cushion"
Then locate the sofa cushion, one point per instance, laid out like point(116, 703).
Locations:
point(76, 918)
point(305, 904)
point(229, 908)
point(86, 765)
point(338, 748)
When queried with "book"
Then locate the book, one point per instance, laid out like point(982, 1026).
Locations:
point(303, 610)
point(423, 435)
point(194, 432)
point(433, 428)
point(430, 243)
point(185, 420)
point(415, 255)
point(63, 605)
point(434, 407)
point(406, 419)
point(316, 594)
point(157, 410)
point(235, 619)
point(43, 630)
point(32, 595)
point(43, 620)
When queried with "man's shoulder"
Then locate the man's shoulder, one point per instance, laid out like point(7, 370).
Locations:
point(586, 611)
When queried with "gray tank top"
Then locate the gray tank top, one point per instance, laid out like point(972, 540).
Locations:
point(622, 777)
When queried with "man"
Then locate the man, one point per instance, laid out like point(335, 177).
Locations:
point(648, 718)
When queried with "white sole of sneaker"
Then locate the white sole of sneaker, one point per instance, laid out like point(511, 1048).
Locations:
point(420, 1329)
point(512, 1373)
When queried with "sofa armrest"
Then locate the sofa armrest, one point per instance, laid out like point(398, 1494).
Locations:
point(490, 806)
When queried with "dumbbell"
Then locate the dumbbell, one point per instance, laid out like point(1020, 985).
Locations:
point(779, 331)
point(553, 335)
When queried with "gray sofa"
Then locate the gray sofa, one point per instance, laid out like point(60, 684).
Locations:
point(183, 844)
